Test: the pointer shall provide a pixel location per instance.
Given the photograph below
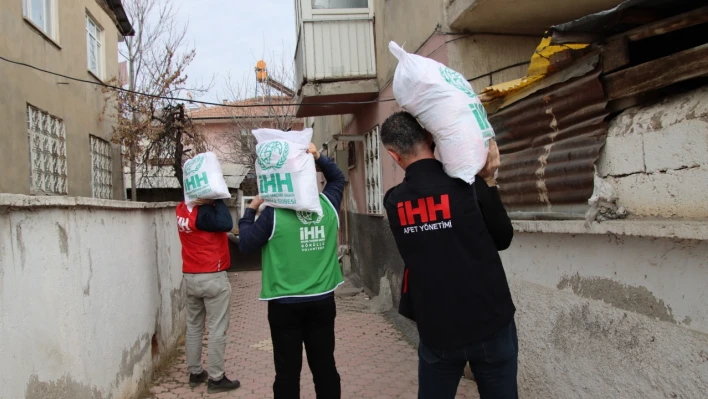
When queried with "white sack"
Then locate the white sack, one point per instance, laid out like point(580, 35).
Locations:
point(286, 173)
point(203, 179)
point(445, 104)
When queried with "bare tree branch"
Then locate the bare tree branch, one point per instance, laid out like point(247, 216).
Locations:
point(237, 144)
point(156, 133)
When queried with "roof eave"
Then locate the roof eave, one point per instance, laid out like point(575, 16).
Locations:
point(122, 21)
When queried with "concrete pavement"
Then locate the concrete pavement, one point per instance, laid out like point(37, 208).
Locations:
point(373, 358)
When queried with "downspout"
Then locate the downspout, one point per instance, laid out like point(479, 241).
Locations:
point(346, 196)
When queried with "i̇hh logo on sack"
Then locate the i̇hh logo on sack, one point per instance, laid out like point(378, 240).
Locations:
point(480, 114)
point(275, 187)
point(195, 182)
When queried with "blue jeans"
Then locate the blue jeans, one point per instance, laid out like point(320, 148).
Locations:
point(493, 363)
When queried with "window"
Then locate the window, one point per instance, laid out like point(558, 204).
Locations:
point(244, 132)
point(374, 196)
point(41, 13)
point(338, 4)
point(47, 139)
point(101, 168)
point(94, 36)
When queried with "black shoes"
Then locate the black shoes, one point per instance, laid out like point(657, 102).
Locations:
point(197, 379)
point(223, 385)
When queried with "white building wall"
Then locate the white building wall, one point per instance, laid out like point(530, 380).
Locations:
point(85, 285)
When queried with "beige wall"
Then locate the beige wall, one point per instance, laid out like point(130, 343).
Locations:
point(78, 104)
point(478, 55)
point(411, 22)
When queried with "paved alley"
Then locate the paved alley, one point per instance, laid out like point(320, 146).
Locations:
point(373, 358)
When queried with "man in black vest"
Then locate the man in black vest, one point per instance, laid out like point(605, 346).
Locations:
point(454, 286)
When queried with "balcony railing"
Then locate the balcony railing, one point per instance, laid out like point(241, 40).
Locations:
point(332, 50)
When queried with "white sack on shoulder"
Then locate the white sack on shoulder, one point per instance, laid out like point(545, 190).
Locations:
point(446, 105)
point(286, 173)
point(203, 179)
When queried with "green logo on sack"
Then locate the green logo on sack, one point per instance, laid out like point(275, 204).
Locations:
point(275, 183)
point(309, 217)
point(480, 114)
point(457, 80)
point(273, 155)
point(194, 164)
point(196, 182)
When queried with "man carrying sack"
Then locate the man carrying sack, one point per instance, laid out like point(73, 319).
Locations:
point(448, 233)
point(203, 225)
point(300, 273)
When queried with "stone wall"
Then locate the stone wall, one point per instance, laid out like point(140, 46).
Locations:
point(610, 316)
point(656, 157)
point(91, 296)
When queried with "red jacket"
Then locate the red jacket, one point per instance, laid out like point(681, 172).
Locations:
point(202, 251)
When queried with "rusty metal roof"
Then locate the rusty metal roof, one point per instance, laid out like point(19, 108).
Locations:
point(618, 19)
point(549, 143)
point(540, 69)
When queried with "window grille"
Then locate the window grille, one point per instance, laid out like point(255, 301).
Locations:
point(47, 138)
point(374, 196)
point(101, 168)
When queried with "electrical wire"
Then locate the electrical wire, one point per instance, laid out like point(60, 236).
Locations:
point(169, 98)
point(499, 70)
point(383, 100)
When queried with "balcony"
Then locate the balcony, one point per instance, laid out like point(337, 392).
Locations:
point(519, 16)
point(335, 59)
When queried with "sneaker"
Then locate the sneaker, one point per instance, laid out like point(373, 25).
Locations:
point(223, 385)
point(197, 379)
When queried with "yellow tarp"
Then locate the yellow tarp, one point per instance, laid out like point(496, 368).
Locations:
point(538, 69)
point(541, 59)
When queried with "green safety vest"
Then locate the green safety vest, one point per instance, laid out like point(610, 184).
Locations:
point(300, 258)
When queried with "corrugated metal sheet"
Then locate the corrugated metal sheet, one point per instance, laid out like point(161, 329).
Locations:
point(549, 143)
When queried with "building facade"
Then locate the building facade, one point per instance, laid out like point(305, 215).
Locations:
point(53, 137)
point(597, 119)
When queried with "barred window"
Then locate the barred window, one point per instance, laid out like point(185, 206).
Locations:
point(101, 168)
point(47, 139)
point(374, 196)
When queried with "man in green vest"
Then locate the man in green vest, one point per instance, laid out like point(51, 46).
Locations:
point(300, 273)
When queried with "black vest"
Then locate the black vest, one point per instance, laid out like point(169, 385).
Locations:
point(454, 286)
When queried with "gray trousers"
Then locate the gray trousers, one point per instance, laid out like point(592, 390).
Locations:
point(208, 298)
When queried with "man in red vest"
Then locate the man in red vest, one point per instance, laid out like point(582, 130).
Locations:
point(205, 258)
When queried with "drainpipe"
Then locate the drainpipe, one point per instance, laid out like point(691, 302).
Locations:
point(346, 195)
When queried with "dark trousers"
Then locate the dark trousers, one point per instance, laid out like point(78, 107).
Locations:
point(311, 323)
point(493, 363)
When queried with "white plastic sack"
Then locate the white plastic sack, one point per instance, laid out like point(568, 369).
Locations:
point(445, 104)
point(286, 173)
point(203, 179)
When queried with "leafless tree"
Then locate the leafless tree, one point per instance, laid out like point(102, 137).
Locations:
point(157, 57)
